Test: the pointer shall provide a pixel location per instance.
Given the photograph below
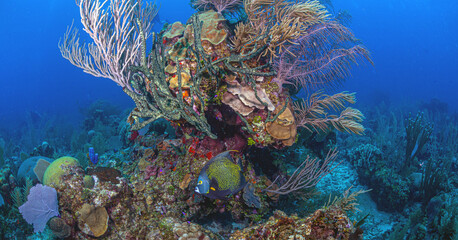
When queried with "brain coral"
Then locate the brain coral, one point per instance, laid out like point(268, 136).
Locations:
point(53, 173)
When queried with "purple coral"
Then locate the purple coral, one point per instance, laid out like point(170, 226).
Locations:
point(41, 205)
point(322, 56)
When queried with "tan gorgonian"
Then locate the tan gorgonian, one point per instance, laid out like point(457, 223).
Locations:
point(347, 201)
point(314, 114)
point(281, 21)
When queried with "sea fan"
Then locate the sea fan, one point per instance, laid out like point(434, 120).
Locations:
point(41, 205)
point(320, 57)
point(315, 114)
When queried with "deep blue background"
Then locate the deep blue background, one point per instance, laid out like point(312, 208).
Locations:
point(414, 44)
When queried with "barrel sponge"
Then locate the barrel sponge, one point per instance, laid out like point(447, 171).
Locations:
point(26, 168)
point(54, 172)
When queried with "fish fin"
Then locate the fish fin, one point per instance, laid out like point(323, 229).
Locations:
point(239, 163)
point(214, 184)
point(225, 154)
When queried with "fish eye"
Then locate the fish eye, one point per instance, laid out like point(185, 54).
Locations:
point(200, 182)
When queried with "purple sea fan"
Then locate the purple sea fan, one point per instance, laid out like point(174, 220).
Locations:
point(321, 57)
point(41, 205)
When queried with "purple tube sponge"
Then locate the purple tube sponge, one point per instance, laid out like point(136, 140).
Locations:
point(94, 157)
point(41, 205)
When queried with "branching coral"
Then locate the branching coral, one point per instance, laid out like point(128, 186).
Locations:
point(297, 36)
point(19, 195)
point(417, 134)
point(282, 20)
point(156, 100)
point(116, 40)
point(307, 175)
point(431, 181)
point(347, 201)
point(314, 114)
point(218, 5)
point(321, 56)
point(308, 50)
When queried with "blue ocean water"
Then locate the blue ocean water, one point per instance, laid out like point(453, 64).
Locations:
point(35, 71)
point(413, 44)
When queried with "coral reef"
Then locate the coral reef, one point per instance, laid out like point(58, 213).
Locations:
point(226, 82)
point(190, 64)
point(323, 224)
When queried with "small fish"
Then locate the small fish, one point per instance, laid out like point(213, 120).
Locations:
point(220, 177)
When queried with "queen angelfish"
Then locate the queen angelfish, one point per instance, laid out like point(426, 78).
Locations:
point(220, 177)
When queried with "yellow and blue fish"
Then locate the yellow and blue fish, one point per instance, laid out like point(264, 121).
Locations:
point(220, 177)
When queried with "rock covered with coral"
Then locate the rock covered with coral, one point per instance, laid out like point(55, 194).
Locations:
point(226, 94)
point(170, 228)
point(330, 223)
point(226, 81)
